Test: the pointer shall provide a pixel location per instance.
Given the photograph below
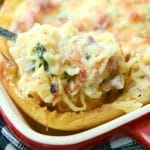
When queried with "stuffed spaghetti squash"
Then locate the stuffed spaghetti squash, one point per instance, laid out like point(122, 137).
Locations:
point(74, 76)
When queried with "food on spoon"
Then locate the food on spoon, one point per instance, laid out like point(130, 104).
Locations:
point(71, 80)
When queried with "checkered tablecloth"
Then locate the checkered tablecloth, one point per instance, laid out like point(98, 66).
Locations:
point(9, 142)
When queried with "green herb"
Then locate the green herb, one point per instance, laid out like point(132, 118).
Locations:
point(87, 56)
point(45, 64)
point(39, 50)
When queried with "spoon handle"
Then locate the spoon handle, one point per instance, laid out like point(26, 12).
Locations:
point(7, 34)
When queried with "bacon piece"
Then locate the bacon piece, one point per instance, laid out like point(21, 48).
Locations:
point(36, 10)
point(80, 25)
point(103, 19)
point(134, 16)
point(112, 65)
point(82, 75)
point(85, 24)
point(147, 36)
point(44, 5)
point(75, 58)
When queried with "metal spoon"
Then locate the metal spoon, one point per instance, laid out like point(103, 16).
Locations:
point(8, 34)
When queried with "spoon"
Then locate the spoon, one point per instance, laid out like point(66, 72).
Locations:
point(8, 34)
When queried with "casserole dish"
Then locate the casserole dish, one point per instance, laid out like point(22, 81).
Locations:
point(139, 128)
point(88, 134)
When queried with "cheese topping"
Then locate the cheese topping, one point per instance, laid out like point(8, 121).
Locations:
point(129, 20)
point(63, 66)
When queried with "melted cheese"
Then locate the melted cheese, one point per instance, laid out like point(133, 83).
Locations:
point(129, 20)
point(65, 51)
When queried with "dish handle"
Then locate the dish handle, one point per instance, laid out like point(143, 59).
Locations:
point(140, 130)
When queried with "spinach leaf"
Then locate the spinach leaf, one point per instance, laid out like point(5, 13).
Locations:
point(87, 56)
point(39, 50)
point(45, 64)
